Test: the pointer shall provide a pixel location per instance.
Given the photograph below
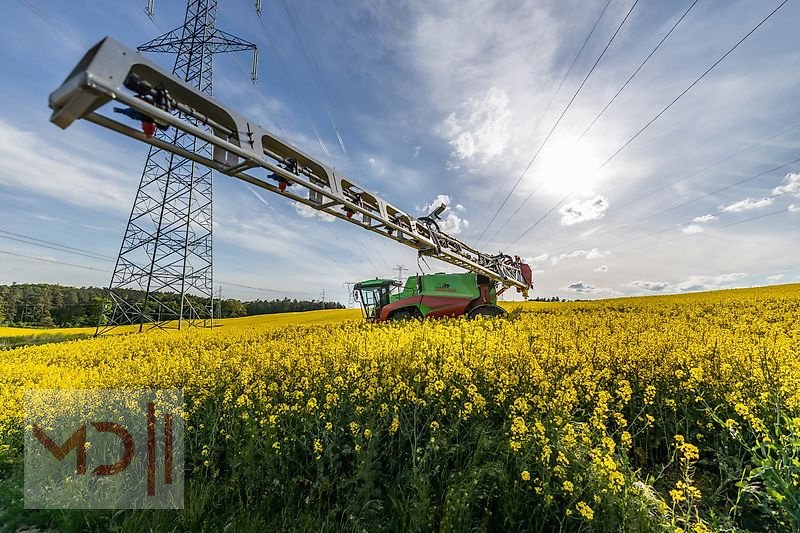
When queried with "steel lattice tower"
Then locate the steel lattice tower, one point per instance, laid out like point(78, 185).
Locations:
point(167, 247)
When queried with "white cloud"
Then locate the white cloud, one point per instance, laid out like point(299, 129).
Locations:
point(746, 205)
point(309, 212)
point(653, 286)
point(36, 163)
point(433, 204)
point(450, 222)
point(540, 258)
point(692, 283)
point(484, 130)
point(580, 286)
point(794, 208)
point(416, 150)
point(692, 229)
point(704, 218)
point(594, 253)
point(583, 210)
point(379, 167)
point(775, 277)
point(587, 288)
point(792, 185)
point(602, 268)
point(708, 283)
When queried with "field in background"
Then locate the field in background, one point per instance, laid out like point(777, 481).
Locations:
point(271, 320)
point(646, 414)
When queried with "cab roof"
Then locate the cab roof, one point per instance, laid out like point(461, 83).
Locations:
point(371, 283)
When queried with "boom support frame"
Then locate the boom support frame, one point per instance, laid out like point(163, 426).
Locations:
point(112, 72)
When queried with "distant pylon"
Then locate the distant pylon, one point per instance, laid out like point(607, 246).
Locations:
point(167, 247)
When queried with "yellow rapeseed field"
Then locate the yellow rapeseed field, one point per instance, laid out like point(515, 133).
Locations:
point(668, 413)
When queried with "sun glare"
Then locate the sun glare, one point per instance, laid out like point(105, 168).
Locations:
point(564, 166)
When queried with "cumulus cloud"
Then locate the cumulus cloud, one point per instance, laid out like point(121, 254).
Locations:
point(791, 185)
point(794, 208)
point(436, 202)
point(602, 268)
point(587, 288)
point(653, 286)
point(692, 229)
point(580, 286)
point(450, 222)
point(594, 253)
point(309, 212)
point(746, 205)
point(704, 218)
point(484, 129)
point(583, 210)
point(692, 283)
point(708, 283)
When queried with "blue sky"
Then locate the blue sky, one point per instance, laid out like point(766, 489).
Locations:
point(440, 98)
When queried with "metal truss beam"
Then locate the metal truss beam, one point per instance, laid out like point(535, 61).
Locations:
point(245, 150)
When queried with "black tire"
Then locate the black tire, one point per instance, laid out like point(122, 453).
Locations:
point(408, 313)
point(486, 311)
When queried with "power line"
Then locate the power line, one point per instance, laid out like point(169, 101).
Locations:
point(19, 237)
point(262, 289)
point(66, 32)
point(555, 125)
point(716, 214)
point(51, 247)
point(314, 68)
point(635, 72)
point(541, 117)
point(52, 261)
point(735, 223)
point(656, 117)
point(296, 92)
point(695, 82)
point(712, 165)
point(707, 167)
point(260, 92)
point(701, 197)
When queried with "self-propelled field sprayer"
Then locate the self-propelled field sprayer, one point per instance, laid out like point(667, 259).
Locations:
point(110, 72)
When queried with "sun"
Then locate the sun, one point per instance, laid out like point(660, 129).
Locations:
point(564, 166)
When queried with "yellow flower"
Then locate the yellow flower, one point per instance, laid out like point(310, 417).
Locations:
point(525, 475)
point(584, 510)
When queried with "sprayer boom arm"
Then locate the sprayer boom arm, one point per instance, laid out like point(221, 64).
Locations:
point(244, 150)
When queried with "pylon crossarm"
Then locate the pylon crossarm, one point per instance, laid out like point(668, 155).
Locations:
point(244, 150)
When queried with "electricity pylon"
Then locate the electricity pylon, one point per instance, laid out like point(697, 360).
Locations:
point(167, 247)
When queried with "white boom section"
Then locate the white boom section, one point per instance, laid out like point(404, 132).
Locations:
point(111, 72)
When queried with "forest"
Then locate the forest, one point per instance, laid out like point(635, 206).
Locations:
point(47, 305)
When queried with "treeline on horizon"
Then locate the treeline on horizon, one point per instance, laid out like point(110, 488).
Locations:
point(49, 305)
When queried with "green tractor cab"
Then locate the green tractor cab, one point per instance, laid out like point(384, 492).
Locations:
point(430, 295)
point(374, 295)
